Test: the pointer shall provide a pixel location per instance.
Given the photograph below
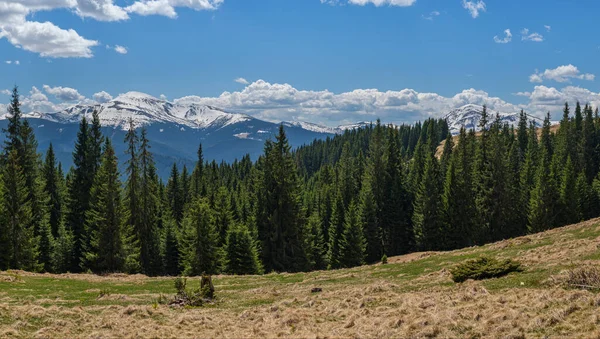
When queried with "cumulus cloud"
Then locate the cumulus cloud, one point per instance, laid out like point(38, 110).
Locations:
point(49, 40)
point(63, 93)
point(167, 7)
point(561, 74)
point(5, 92)
point(241, 81)
point(474, 7)
point(120, 49)
point(102, 97)
point(548, 28)
point(507, 37)
point(101, 10)
point(163, 97)
point(527, 36)
point(282, 102)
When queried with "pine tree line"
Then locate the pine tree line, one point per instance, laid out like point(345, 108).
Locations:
point(340, 202)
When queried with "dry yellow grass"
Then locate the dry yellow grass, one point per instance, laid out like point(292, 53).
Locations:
point(412, 296)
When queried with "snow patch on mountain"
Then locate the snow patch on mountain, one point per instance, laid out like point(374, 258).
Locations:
point(469, 116)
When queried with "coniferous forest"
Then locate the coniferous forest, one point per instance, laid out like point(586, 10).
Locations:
point(340, 202)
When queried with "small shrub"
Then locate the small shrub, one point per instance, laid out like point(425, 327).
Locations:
point(104, 292)
point(384, 259)
point(192, 298)
point(484, 268)
point(584, 278)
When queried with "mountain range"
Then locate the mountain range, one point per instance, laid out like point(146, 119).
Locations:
point(176, 129)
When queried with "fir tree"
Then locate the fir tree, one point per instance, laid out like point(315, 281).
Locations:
point(279, 209)
point(133, 192)
point(174, 195)
point(105, 218)
point(241, 256)
point(148, 232)
point(200, 252)
point(171, 251)
point(63, 250)
point(569, 199)
point(198, 175)
point(352, 246)
point(428, 206)
point(223, 215)
point(336, 229)
point(316, 251)
point(52, 187)
point(23, 245)
point(543, 204)
point(371, 230)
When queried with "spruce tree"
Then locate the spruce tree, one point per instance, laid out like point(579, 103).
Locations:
point(174, 195)
point(53, 190)
point(150, 218)
point(427, 219)
point(23, 245)
point(543, 203)
point(105, 250)
point(352, 245)
point(569, 199)
point(241, 256)
point(133, 191)
point(198, 175)
point(371, 230)
point(63, 249)
point(223, 215)
point(279, 209)
point(316, 248)
point(336, 230)
point(395, 214)
point(171, 249)
point(446, 153)
point(200, 253)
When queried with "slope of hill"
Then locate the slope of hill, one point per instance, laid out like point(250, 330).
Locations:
point(411, 296)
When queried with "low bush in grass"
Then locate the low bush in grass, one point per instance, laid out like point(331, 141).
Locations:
point(584, 278)
point(484, 268)
point(193, 297)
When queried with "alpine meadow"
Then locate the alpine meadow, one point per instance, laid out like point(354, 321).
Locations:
point(299, 169)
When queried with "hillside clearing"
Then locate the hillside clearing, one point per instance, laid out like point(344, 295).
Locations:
point(411, 296)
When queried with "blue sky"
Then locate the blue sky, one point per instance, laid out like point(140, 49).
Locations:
point(314, 60)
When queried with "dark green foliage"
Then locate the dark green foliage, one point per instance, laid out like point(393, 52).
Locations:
point(352, 244)
point(105, 249)
point(316, 247)
point(171, 249)
point(279, 209)
point(21, 250)
point(241, 256)
point(63, 249)
point(200, 252)
point(484, 268)
point(384, 259)
point(427, 220)
point(223, 215)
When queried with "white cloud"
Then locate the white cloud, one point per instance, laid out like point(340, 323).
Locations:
point(17, 62)
point(507, 37)
point(535, 37)
point(64, 93)
point(163, 97)
point(474, 7)
point(8, 62)
point(101, 10)
point(431, 15)
point(102, 97)
point(120, 49)
point(561, 74)
point(167, 7)
point(548, 28)
point(241, 81)
point(49, 40)
point(5, 92)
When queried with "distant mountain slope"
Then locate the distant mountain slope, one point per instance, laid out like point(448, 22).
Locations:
point(468, 116)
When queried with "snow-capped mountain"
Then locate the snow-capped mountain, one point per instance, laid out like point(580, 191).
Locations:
point(468, 116)
point(175, 129)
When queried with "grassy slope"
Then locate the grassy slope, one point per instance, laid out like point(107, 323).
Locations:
point(412, 296)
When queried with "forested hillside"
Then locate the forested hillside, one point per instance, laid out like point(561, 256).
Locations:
point(341, 202)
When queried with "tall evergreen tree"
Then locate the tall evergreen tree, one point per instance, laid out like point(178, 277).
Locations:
point(150, 218)
point(52, 187)
point(133, 190)
point(316, 248)
point(171, 249)
point(105, 249)
point(279, 209)
point(200, 251)
point(427, 219)
point(352, 246)
point(223, 214)
point(174, 195)
point(198, 175)
point(23, 245)
point(371, 230)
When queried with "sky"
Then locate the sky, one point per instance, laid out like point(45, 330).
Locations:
point(322, 61)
